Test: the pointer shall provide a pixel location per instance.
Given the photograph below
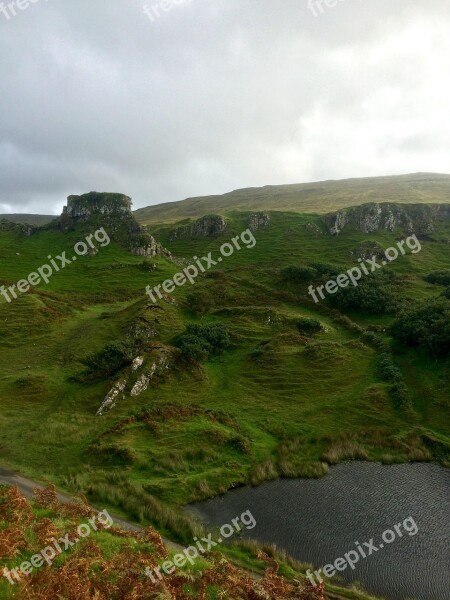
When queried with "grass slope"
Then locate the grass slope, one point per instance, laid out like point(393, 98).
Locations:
point(275, 403)
point(319, 197)
point(28, 219)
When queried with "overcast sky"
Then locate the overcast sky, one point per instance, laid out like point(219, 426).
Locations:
point(216, 95)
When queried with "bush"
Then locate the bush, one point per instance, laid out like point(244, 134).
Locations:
point(375, 294)
point(387, 370)
point(427, 325)
point(439, 278)
point(295, 274)
point(308, 326)
point(200, 342)
point(112, 358)
point(324, 269)
point(446, 293)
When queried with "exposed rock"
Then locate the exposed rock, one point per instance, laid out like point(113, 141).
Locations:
point(113, 212)
point(207, 226)
point(258, 221)
point(137, 377)
point(137, 362)
point(23, 228)
point(141, 385)
point(111, 397)
point(370, 218)
point(368, 250)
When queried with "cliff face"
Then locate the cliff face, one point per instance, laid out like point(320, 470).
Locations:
point(80, 208)
point(370, 218)
point(113, 212)
point(207, 226)
point(258, 221)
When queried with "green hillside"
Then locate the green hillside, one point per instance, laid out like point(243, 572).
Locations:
point(29, 219)
point(321, 197)
point(280, 399)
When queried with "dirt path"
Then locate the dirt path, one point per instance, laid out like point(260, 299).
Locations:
point(26, 486)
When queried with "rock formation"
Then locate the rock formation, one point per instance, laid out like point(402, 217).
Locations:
point(113, 212)
point(369, 218)
point(207, 226)
point(258, 221)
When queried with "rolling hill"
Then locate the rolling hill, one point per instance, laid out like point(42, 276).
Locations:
point(240, 378)
point(321, 197)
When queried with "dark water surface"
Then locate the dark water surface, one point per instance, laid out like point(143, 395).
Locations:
point(320, 520)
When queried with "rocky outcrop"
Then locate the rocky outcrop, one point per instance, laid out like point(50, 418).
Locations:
point(136, 378)
point(258, 221)
point(23, 228)
point(112, 396)
point(82, 208)
point(370, 218)
point(207, 226)
point(113, 212)
point(368, 250)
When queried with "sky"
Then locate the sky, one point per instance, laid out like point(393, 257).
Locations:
point(200, 97)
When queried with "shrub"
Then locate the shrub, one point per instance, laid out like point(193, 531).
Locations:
point(426, 325)
point(439, 278)
point(200, 342)
point(308, 326)
point(387, 370)
point(375, 294)
point(112, 358)
point(324, 269)
point(295, 274)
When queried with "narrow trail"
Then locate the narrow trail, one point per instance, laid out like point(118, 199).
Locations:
point(26, 486)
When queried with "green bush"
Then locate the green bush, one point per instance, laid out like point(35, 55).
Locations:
point(375, 294)
point(200, 342)
point(426, 325)
point(308, 326)
point(439, 278)
point(295, 274)
point(324, 269)
point(387, 369)
point(112, 358)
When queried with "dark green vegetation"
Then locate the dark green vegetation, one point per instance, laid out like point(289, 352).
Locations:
point(258, 381)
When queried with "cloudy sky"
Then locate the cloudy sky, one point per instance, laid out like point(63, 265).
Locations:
point(214, 95)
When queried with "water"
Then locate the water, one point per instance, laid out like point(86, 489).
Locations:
point(318, 521)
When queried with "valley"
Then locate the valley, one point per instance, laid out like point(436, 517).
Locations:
point(241, 379)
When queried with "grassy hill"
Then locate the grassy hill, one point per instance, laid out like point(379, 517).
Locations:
point(279, 400)
point(28, 219)
point(320, 197)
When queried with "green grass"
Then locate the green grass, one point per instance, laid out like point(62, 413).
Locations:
point(318, 197)
point(275, 403)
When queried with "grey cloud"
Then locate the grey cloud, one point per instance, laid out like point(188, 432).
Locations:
point(217, 95)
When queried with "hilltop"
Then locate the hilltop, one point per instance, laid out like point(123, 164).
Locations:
point(240, 378)
point(321, 197)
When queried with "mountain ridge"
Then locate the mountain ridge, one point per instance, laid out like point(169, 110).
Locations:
point(310, 197)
